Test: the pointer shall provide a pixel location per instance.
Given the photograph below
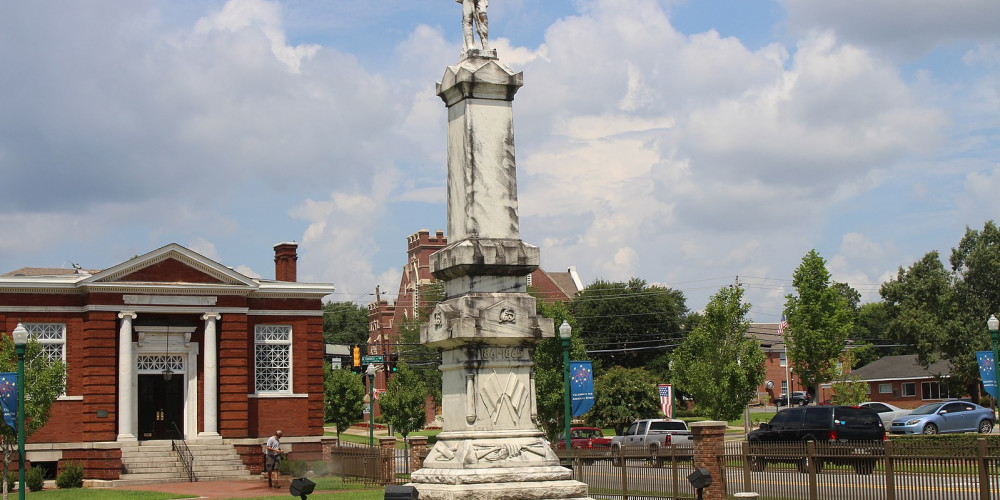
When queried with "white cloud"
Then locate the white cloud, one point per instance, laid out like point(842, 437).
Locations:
point(899, 27)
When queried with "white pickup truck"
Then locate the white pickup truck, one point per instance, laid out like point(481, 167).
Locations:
point(654, 434)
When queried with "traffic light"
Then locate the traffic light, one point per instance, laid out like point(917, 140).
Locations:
point(356, 352)
point(390, 362)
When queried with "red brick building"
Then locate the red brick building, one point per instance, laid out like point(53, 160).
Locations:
point(384, 318)
point(777, 369)
point(901, 381)
point(170, 345)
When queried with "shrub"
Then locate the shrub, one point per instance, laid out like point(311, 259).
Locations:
point(295, 468)
point(34, 478)
point(71, 476)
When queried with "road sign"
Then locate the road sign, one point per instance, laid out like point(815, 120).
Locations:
point(369, 360)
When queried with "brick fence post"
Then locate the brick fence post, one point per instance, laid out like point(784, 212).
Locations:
point(387, 450)
point(708, 448)
point(418, 450)
point(329, 443)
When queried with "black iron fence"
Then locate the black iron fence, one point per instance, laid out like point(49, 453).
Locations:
point(883, 470)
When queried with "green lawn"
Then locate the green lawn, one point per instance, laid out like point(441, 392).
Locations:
point(343, 491)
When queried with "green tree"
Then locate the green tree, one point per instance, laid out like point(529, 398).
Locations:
point(548, 357)
point(848, 389)
point(345, 323)
point(343, 397)
point(819, 322)
point(923, 312)
point(871, 329)
point(718, 363)
point(44, 381)
point(975, 265)
point(627, 320)
point(622, 395)
point(404, 401)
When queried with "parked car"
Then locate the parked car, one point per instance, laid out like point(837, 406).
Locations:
point(827, 425)
point(886, 411)
point(654, 435)
point(947, 416)
point(585, 438)
point(799, 398)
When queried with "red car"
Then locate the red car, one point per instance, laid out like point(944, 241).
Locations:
point(585, 437)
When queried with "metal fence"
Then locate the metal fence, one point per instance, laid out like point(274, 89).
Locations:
point(373, 465)
point(910, 470)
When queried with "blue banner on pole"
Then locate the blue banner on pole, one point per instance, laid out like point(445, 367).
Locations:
point(988, 372)
point(8, 398)
point(581, 382)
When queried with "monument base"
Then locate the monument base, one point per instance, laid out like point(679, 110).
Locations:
point(511, 483)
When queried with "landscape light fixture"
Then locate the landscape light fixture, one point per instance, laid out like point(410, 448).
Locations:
point(993, 324)
point(564, 336)
point(20, 335)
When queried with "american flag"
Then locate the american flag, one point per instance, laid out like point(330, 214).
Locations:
point(666, 400)
point(782, 325)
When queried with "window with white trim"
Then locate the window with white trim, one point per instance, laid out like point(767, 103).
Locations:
point(783, 359)
point(885, 388)
point(933, 390)
point(273, 358)
point(784, 387)
point(52, 337)
point(909, 389)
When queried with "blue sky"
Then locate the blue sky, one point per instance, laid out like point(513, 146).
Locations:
point(683, 142)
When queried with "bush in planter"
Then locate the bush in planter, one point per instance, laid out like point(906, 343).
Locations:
point(71, 476)
point(34, 477)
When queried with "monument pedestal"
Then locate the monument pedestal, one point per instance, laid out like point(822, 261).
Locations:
point(490, 447)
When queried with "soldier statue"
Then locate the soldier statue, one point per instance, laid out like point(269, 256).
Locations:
point(474, 12)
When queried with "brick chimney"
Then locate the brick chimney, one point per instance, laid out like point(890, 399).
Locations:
point(285, 256)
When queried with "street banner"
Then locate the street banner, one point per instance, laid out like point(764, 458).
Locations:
point(988, 372)
point(8, 398)
point(666, 399)
point(581, 382)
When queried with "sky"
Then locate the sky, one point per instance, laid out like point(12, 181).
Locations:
point(688, 143)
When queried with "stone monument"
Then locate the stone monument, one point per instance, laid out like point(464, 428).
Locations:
point(486, 328)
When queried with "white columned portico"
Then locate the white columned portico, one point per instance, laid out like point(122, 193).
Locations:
point(211, 380)
point(126, 378)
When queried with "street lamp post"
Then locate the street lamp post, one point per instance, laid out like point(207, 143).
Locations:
point(994, 325)
point(371, 404)
point(20, 335)
point(564, 335)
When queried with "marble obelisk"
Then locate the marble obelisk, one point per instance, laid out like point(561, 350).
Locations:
point(486, 328)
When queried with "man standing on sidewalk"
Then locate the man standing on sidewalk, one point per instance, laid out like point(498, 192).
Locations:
point(273, 456)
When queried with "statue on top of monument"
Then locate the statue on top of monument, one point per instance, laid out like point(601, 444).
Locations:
point(474, 11)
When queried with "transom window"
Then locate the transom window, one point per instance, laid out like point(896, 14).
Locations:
point(273, 358)
point(52, 337)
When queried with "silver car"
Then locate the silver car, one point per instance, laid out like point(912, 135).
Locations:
point(886, 412)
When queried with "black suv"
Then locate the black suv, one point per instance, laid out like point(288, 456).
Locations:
point(799, 398)
point(830, 427)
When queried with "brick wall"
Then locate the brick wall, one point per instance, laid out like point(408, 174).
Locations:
point(99, 375)
point(97, 464)
point(235, 361)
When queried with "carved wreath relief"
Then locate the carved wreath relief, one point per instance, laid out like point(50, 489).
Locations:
point(507, 315)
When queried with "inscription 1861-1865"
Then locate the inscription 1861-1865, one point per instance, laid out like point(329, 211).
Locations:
point(503, 353)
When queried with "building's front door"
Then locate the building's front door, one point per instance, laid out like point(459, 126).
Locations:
point(161, 407)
